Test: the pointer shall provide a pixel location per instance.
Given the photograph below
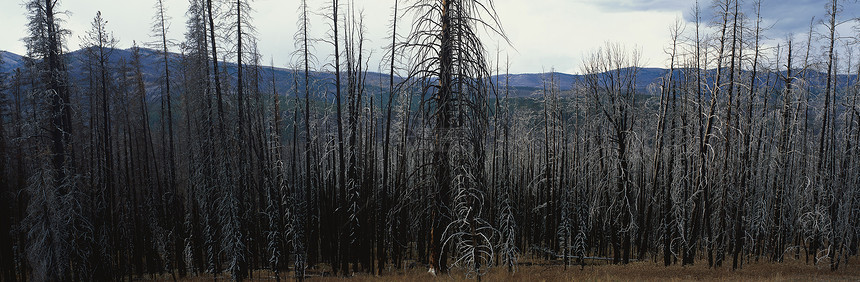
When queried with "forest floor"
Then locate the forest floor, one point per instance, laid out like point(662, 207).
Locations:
point(790, 270)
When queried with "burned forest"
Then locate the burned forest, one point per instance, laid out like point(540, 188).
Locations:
point(195, 157)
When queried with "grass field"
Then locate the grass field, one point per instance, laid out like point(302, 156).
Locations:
point(637, 271)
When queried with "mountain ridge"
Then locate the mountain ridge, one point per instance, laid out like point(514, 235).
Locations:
point(524, 84)
point(521, 85)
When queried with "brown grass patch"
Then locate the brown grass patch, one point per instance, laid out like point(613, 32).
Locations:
point(638, 271)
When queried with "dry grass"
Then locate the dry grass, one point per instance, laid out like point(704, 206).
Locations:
point(639, 271)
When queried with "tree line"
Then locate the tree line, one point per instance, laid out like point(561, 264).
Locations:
point(741, 151)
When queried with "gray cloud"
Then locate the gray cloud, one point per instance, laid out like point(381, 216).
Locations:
point(641, 5)
point(794, 16)
point(781, 17)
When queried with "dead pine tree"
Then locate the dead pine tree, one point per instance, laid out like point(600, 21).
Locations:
point(343, 245)
point(234, 227)
point(450, 68)
point(48, 238)
point(668, 90)
point(100, 44)
point(699, 208)
point(747, 177)
point(610, 75)
point(160, 28)
point(823, 178)
point(357, 187)
point(383, 236)
point(303, 234)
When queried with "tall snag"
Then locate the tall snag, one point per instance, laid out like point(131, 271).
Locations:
point(452, 72)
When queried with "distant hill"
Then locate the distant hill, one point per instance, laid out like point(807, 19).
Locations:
point(532, 84)
point(10, 61)
point(152, 69)
point(520, 85)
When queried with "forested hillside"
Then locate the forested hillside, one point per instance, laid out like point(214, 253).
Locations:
point(200, 159)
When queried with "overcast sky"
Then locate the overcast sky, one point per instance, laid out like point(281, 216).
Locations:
point(544, 34)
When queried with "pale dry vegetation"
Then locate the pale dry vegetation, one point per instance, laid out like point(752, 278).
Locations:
point(790, 270)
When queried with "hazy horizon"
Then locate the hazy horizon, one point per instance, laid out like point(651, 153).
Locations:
point(541, 39)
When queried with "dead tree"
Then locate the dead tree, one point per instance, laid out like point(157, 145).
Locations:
point(49, 244)
point(610, 81)
point(450, 69)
